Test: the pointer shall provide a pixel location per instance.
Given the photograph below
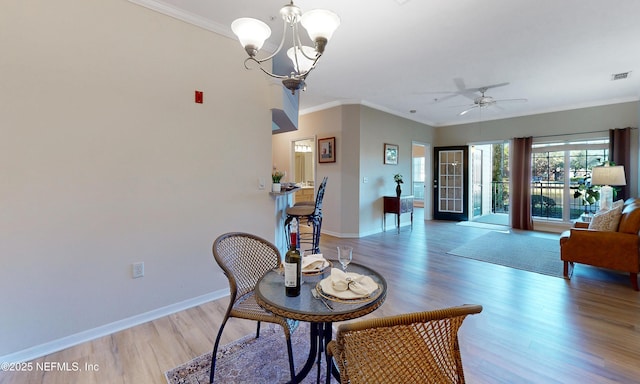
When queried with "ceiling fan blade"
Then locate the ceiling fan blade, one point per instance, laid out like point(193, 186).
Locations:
point(511, 100)
point(469, 93)
point(433, 92)
point(467, 110)
point(459, 82)
point(494, 85)
point(443, 98)
point(462, 105)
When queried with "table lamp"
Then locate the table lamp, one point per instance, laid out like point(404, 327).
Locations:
point(606, 176)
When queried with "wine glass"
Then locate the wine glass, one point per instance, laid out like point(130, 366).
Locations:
point(345, 256)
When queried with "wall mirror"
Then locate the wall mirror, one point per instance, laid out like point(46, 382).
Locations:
point(303, 151)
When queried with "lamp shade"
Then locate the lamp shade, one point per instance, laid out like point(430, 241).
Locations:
point(252, 33)
point(608, 175)
point(320, 23)
point(301, 62)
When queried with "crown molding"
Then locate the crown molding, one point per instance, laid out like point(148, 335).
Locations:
point(185, 16)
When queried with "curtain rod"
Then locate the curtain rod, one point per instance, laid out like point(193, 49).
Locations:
point(577, 133)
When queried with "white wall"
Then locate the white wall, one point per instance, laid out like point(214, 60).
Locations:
point(106, 160)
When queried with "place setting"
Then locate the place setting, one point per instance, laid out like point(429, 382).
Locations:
point(314, 264)
point(347, 287)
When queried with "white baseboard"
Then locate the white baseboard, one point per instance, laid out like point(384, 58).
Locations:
point(342, 235)
point(107, 329)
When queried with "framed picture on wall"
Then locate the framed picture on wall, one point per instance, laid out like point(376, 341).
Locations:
point(390, 153)
point(327, 150)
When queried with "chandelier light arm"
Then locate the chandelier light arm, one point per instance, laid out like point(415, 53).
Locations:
point(260, 61)
point(301, 76)
point(297, 46)
point(262, 68)
point(315, 60)
point(298, 43)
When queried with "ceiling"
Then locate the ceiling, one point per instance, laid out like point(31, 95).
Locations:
point(401, 56)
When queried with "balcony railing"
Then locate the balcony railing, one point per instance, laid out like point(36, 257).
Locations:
point(499, 197)
point(547, 200)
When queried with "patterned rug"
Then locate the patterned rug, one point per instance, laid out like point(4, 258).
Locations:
point(539, 254)
point(250, 360)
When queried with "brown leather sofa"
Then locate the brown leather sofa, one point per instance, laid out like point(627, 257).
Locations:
point(618, 250)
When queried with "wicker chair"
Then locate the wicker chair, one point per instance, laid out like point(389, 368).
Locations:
point(245, 258)
point(418, 347)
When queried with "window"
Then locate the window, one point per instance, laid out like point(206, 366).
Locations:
point(558, 170)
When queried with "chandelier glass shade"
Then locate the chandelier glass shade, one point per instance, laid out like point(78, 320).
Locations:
point(319, 24)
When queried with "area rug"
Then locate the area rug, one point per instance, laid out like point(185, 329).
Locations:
point(251, 361)
point(493, 227)
point(515, 250)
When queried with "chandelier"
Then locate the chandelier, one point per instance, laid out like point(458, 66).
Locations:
point(320, 25)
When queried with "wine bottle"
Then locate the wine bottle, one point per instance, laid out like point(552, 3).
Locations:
point(292, 269)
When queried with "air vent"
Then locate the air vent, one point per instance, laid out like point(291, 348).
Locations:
point(620, 76)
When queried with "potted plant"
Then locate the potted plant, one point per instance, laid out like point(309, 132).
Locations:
point(398, 179)
point(276, 176)
point(588, 195)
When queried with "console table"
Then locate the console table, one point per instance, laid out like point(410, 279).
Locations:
point(397, 206)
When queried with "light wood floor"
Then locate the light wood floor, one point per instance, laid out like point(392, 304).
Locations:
point(533, 329)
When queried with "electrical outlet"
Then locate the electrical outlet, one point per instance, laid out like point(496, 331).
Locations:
point(137, 270)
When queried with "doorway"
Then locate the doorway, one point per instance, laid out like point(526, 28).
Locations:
point(420, 176)
point(451, 183)
point(490, 183)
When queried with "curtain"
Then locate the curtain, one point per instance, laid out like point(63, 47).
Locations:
point(520, 195)
point(619, 153)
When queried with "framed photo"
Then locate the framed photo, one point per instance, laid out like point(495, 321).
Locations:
point(391, 154)
point(327, 150)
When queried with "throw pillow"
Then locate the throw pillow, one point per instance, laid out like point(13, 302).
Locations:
point(617, 204)
point(606, 221)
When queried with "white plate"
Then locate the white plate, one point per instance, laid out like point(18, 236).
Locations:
point(316, 271)
point(327, 287)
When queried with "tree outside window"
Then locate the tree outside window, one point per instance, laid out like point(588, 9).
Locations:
point(559, 170)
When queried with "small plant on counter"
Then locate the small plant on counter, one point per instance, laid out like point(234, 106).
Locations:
point(276, 176)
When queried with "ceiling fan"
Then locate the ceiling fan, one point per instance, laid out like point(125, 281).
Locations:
point(483, 101)
point(462, 90)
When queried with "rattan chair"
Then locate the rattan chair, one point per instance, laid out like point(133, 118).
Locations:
point(418, 347)
point(245, 258)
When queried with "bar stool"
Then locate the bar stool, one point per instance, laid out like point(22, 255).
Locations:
point(313, 215)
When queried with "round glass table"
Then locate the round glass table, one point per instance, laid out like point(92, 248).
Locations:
point(320, 311)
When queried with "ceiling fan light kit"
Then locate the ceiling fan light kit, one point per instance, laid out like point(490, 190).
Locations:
point(320, 25)
point(483, 101)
